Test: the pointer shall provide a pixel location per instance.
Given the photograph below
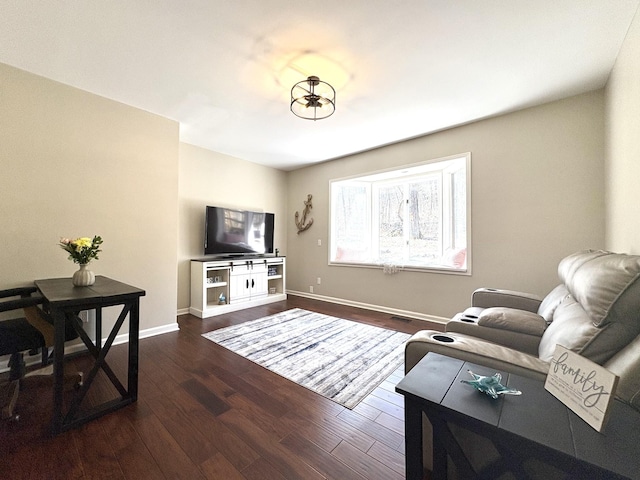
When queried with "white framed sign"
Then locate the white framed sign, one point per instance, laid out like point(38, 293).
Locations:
point(582, 385)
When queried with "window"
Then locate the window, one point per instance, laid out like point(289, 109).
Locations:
point(415, 217)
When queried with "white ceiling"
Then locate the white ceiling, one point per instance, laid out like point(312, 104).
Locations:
point(411, 66)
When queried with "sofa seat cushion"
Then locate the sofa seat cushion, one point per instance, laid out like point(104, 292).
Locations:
point(513, 320)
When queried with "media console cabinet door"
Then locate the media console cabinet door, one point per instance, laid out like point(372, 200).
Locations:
point(247, 281)
point(239, 286)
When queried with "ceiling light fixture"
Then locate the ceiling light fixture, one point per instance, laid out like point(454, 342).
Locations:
point(313, 99)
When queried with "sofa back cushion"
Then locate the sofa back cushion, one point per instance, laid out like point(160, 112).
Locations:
point(571, 328)
point(601, 314)
point(605, 284)
point(551, 302)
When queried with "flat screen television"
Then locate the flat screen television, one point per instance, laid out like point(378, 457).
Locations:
point(231, 233)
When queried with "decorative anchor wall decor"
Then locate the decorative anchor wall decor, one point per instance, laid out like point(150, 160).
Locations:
point(304, 224)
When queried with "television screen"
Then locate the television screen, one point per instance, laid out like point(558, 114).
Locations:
point(231, 232)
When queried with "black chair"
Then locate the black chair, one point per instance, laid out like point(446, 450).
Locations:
point(31, 333)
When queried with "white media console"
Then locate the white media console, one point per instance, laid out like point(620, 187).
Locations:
point(244, 283)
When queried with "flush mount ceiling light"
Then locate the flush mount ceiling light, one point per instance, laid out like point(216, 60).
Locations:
point(313, 99)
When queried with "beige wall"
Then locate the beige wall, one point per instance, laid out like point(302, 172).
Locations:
point(537, 195)
point(210, 178)
point(75, 164)
point(623, 146)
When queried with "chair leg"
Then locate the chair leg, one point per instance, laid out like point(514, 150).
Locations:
point(17, 367)
point(8, 399)
point(45, 356)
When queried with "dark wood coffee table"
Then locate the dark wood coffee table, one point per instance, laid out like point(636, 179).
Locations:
point(534, 426)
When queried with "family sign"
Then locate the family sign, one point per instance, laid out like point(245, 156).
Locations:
point(582, 385)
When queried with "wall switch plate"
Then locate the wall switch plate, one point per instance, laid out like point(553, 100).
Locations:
point(319, 281)
point(319, 242)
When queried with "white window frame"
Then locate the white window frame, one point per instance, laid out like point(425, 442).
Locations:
point(445, 166)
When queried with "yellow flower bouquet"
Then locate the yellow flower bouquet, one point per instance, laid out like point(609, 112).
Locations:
point(82, 250)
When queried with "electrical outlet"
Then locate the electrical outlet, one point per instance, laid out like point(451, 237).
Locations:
point(310, 288)
point(319, 281)
point(319, 242)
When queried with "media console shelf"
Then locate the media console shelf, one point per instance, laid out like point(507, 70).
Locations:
point(244, 283)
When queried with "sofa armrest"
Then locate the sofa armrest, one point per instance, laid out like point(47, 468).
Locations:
point(473, 350)
point(492, 297)
point(513, 320)
point(517, 329)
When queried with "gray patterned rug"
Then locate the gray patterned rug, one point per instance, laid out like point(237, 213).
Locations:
point(339, 359)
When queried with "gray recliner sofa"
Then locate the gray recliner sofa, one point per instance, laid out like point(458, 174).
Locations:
point(594, 311)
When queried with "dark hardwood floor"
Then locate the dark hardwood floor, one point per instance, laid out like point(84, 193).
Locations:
point(205, 412)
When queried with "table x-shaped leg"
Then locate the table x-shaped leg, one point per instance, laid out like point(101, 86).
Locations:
point(99, 353)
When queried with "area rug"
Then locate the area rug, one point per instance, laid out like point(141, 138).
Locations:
point(339, 359)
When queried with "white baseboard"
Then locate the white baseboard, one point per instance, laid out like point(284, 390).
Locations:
point(367, 306)
point(173, 327)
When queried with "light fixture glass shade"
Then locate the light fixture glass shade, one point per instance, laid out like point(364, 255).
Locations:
point(313, 99)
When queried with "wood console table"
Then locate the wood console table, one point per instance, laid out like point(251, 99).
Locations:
point(64, 301)
point(533, 427)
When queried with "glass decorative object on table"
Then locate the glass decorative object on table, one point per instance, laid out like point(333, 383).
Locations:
point(490, 385)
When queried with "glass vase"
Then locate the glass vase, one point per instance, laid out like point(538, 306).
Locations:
point(83, 277)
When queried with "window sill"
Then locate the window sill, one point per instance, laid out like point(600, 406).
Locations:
point(407, 268)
